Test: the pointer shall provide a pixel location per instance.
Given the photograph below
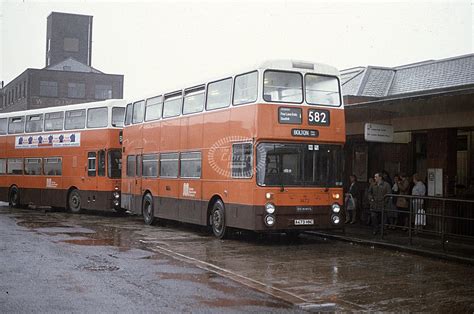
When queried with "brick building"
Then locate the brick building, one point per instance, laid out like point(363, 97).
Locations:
point(429, 105)
point(68, 77)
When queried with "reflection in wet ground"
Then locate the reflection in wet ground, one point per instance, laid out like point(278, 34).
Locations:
point(315, 270)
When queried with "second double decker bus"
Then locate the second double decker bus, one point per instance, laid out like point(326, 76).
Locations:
point(260, 150)
point(67, 156)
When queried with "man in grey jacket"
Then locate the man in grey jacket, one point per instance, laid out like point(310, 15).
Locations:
point(377, 199)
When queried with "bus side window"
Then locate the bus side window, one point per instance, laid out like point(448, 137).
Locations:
point(34, 123)
point(52, 166)
point(97, 117)
point(128, 114)
point(172, 105)
point(3, 126)
point(3, 166)
point(75, 119)
point(242, 160)
point(91, 164)
point(53, 121)
point(138, 112)
point(101, 163)
point(16, 125)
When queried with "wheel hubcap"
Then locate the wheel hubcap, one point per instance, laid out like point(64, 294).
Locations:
point(217, 220)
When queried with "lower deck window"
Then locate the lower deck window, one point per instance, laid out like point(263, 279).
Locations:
point(53, 166)
point(3, 166)
point(150, 165)
point(191, 165)
point(33, 166)
point(15, 166)
point(169, 165)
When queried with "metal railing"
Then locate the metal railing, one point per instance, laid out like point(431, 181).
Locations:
point(444, 217)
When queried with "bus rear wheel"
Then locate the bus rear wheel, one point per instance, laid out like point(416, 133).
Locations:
point(74, 201)
point(148, 210)
point(14, 197)
point(217, 220)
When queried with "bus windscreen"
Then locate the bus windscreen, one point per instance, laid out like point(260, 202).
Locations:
point(314, 165)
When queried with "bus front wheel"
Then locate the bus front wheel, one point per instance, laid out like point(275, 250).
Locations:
point(218, 220)
point(74, 201)
point(14, 197)
point(147, 209)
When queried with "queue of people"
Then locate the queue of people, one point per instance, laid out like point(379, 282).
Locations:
point(373, 200)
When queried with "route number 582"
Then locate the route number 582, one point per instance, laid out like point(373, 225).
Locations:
point(318, 117)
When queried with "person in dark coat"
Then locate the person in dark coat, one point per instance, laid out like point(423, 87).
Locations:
point(378, 200)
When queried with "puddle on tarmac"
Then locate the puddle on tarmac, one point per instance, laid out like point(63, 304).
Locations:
point(232, 302)
point(91, 242)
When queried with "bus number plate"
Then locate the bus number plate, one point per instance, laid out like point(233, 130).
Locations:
point(318, 117)
point(302, 222)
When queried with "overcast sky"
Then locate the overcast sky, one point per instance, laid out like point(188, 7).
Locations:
point(159, 45)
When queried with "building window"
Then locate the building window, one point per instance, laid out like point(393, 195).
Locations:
point(24, 89)
point(103, 92)
point(76, 90)
point(48, 89)
point(71, 44)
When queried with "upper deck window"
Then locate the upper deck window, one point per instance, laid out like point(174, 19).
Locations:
point(128, 114)
point(34, 123)
point(118, 114)
point(75, 119)
point(97, 117)
point(138, 112)
point(153, 108)
point(193, 100)
point(245, 88)
point(53, 121)
point(281, 86)
point(172, 105)
point(16, 125)
point(322, 90)
point(3, 126)
point(219, 94)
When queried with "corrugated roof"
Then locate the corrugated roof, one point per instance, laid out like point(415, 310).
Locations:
point(411, 78)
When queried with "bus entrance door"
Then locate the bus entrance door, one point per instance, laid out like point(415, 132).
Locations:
point(136, 184)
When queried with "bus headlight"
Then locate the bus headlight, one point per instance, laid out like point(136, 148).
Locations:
point(269, 220)
point(269, 208)
point(116, 195)
point(268, 195)
point(336, 208)
point(335, 219)
point(336, 196)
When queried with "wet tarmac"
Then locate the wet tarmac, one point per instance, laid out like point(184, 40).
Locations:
point(310, 274)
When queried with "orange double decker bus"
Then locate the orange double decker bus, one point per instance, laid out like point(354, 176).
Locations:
point(67, 156)
point(260, 150)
